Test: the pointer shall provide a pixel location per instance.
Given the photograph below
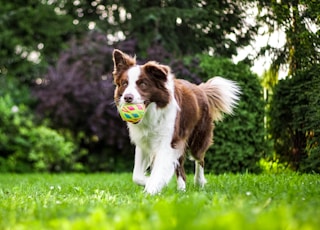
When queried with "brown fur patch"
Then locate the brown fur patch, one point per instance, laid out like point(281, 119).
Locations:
point(122, 62)
point(155, 77)
point(194, 124)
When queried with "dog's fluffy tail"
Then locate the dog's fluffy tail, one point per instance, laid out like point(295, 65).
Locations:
point(223, 96)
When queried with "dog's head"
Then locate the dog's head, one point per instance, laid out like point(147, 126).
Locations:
point(137, 84)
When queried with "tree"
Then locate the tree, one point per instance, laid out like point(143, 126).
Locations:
point(188, 27)
point(294, 122)
point(182, 26)
point(299, 19)
point(295, 97)
point(32, 34)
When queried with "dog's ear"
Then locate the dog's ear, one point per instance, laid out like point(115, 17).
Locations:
point(122, 61)
point(160, 72)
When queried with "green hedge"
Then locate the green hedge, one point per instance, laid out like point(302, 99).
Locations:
point(239, 140)
point(295, 120)
point(27, 146)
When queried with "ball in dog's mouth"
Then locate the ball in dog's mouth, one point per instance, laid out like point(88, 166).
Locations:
point(132, 113)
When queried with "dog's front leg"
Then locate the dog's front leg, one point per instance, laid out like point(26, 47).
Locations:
point(162, 170)
point(141, 163)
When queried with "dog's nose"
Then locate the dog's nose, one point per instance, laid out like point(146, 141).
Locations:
point(128, 98)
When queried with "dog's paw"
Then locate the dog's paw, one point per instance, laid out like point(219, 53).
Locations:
point(181, 184)
point(140, 180)
point(200, 181)
point(152, 188)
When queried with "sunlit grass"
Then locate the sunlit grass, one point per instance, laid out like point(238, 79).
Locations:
point(112, 201)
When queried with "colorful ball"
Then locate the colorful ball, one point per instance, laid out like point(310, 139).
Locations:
point(132, 113)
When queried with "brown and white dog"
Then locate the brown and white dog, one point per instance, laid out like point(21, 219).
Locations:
point(179, 116)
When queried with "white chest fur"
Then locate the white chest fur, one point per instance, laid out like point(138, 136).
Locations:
point(156, 128)
point(153, 137)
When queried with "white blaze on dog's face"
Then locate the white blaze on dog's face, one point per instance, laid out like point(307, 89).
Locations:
point(131, 93)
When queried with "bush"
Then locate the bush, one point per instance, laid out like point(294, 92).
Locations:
point(239, 141)
point(26, 146)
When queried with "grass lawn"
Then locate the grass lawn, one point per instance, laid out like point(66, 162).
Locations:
point(112, 201)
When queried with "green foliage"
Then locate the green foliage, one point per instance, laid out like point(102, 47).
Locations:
point(274, 166)
point(299, 20)
point(239, 140)
point(112, 201)
point(294, 120)
point(32, 34)
point(27, 146)
point(183, 27)
point(294, 109)
point(187, 26)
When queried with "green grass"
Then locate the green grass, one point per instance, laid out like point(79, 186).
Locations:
point(112, 201)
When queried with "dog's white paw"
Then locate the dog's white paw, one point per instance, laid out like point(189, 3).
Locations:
point(152, 188)
point(142, 180)
point(181, 184)
point(200, 181)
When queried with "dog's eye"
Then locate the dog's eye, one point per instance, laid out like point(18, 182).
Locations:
point(142, 84)
point(124, 83)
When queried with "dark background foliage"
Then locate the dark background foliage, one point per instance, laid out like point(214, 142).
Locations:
point(294, 120)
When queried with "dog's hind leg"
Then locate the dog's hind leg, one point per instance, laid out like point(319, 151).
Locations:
point(199, 143)
point(181, 175)
point(199, 178)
